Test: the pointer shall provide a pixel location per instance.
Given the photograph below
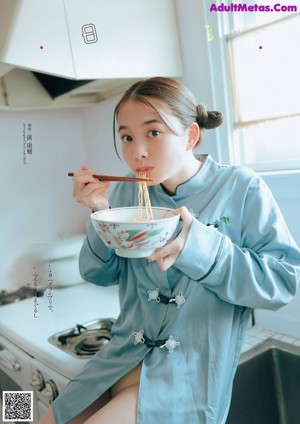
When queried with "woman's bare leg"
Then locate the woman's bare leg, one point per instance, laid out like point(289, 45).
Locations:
point(92, 409)
point(48, 417)
point(122, 409)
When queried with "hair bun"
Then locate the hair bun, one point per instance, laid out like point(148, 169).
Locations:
point(208, 119)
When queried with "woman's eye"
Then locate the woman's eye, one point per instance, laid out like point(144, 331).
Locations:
point(153, 133)
point(126, 138)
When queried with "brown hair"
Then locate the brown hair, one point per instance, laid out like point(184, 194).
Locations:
point(177, 97)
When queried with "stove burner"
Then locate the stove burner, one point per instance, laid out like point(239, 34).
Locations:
point(63, 339)
point(92, 342)
point(84, 340)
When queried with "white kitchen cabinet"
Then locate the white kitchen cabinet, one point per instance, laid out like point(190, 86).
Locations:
point(34, 35)
point(134, 38)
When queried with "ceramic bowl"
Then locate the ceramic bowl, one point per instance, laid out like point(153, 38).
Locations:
point(134, 239)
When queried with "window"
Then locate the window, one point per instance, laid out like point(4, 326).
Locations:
point(263, 58)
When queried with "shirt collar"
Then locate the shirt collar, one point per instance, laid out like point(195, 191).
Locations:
point(196, 183)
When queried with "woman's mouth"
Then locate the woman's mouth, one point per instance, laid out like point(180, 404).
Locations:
point(144, 169)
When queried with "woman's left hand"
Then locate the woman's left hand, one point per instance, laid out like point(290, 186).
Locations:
point(167, 255)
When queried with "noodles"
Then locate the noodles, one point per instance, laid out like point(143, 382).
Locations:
point(143, 196)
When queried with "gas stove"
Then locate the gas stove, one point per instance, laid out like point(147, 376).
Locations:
point(80, 304)
point(84, 340)
point(46, 368)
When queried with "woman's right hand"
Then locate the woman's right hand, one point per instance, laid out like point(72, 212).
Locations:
point(89, 190)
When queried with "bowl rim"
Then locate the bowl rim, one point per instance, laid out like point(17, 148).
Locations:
point(94, 215)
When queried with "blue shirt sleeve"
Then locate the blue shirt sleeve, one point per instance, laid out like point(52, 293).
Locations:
point(261, 269)
point(98, 264)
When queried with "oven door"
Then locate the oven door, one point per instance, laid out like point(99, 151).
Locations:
point(15, 372)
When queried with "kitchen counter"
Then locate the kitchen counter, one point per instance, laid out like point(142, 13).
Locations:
point(29, 323)
point(257, 335)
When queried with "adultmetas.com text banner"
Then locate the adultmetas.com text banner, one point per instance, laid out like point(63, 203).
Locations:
point(244, 7)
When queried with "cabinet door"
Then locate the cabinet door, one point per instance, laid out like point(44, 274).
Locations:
point(34, 35)
point(123, 39)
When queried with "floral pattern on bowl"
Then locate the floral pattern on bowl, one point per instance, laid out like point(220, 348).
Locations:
point(134, 238)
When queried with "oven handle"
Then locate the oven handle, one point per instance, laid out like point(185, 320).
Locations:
point(9, 361)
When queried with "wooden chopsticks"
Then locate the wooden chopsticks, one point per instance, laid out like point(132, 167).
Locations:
point(114, 178)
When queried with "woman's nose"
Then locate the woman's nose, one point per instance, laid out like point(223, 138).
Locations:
point(140, 152)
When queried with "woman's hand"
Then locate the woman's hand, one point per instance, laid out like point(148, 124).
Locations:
point(89, 190)
point(166, 256)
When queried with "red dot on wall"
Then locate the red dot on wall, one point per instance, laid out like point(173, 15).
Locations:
point(260, 47)
point(41, 47)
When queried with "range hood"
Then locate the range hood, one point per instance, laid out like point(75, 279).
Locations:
point(79, 52)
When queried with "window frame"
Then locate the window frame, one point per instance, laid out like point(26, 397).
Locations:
point(230, 134)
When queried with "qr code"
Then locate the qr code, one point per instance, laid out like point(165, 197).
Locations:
point(17, 406)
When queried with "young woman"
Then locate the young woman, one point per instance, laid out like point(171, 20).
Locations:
point(185, 309)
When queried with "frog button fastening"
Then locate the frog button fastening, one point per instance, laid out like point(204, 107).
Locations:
point(139, 337)
point(153, 295)
point(179, 300)
point(170, 344)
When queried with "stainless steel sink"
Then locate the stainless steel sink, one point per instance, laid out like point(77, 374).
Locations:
point(266, 388)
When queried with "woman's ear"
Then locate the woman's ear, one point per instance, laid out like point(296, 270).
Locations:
point(193, 135)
